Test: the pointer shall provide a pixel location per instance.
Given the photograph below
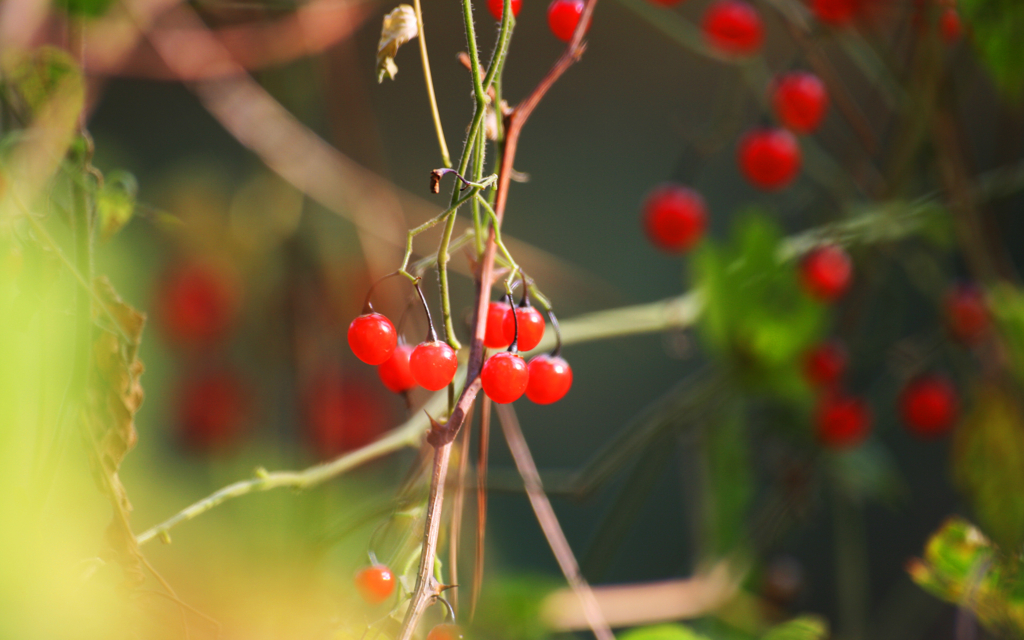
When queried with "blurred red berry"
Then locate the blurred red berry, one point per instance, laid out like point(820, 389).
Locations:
point(842, 422)
point(198, 302)
point(395, 372)
point(825, 364)
point(375, 583)
point(563, 16)
point(929, 406)
point(800, 100)
point(733, 27)
point(531, 327)
point(835, 12)
point(967, 316)
point(504, 377)
point(342, 412)
point(445, 632)
point(372, 338)
point(433, 365)
point(212, 409)
point(826, 272)
point(769, 158)
point(497, 8)
point(674, 217)
point(494, 337)
point(550, 379)
point(950, 26)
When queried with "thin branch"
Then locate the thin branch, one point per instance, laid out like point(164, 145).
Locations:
point(483, 447)
point(445, 157)
point(549, 522)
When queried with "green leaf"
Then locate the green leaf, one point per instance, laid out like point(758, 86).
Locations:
point(662, 632)
point(39, 76)
point(995, 28)
point(115, 202)
point(802, 628)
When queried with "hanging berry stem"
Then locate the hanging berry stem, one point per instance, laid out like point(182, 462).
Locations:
point(558, 333)
point(367, 305)
point(514, 347)
point(431, 333)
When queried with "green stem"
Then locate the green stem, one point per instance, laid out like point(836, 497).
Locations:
point(445, 157)
point(508, 21)
point(497, 240)
point(430, 224)
point(442, 272)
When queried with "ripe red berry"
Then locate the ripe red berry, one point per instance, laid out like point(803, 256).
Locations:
point(769, 158)
point(825, 364)
point(433, 365)
point(929, 406)
point(800, 101)
point(372, 338)
point(674, 217)
point(504, 377)
point(843, 422)
point(563, 16)
point(531, 327)
point(550, 379)
point(341, 412)
point(826, 272)
point(835, 12)
point(494, 337)
point(375, 583)
point(395, 372)
point(198, 302)
point(967, 317)
point(212, 409)
point(733, 27)
point(950, 26)
point(497, 8)
point(445, 632)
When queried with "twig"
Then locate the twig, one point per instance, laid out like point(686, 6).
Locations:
point(445, 157)
point(483, 447)
point(549, 522)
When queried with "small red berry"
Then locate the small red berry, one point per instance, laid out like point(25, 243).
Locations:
point(769, 158)
point(531, 327)
point(733, 27)
point(929, 406)
point(550, 379)
point(800, 101)
point(445, 632)
point(835, 12)
point(950, 26)
point(825, 364)
point(504, 377)
point(433, 365)
point(341, 412)
point(826, 272)
point(212, 409)
point(494, 337)
point(967, 317)
point(563, 16)
point(674, 217)
point(843, 422)
point(375, 583)
point(395, 373)
point(372, 338)
point(497, 8)
point(198, 302)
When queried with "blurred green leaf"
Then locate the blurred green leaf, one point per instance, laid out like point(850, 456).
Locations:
point(802, 628)
point(869, 472)
point(988, 463)
point(115, 202)
point(1007, 305)
point(961, 566)
point(84, 8)
point(662, 632)
point(511, 608)
point(729, 484)
point(35, 78)
point(995, 28)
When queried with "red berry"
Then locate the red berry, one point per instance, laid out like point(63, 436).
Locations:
point(497, 8)
point(843, 422)
point(929, 406)
point(375, 583)
point(835, 12)
point(531, 327)
point(967, 317)
point(494, 337)
point(212, 409)
point(504, 377)
point(550, 379)
point(341, 412)
point(563, 16)
point(733, 27)
point(769, 158)
point(800, 101)
point(825, 364)
point(198, 302)
point(826, 272)
point(950, 25)
point(372, 338)
point(395, 373)
point(445, 632)
point(433, 365)
point(674, 217)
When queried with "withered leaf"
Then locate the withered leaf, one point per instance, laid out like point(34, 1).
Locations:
point(400, 26)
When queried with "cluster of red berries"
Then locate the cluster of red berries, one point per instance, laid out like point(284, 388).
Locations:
point(432, 364)
point(563, 15)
